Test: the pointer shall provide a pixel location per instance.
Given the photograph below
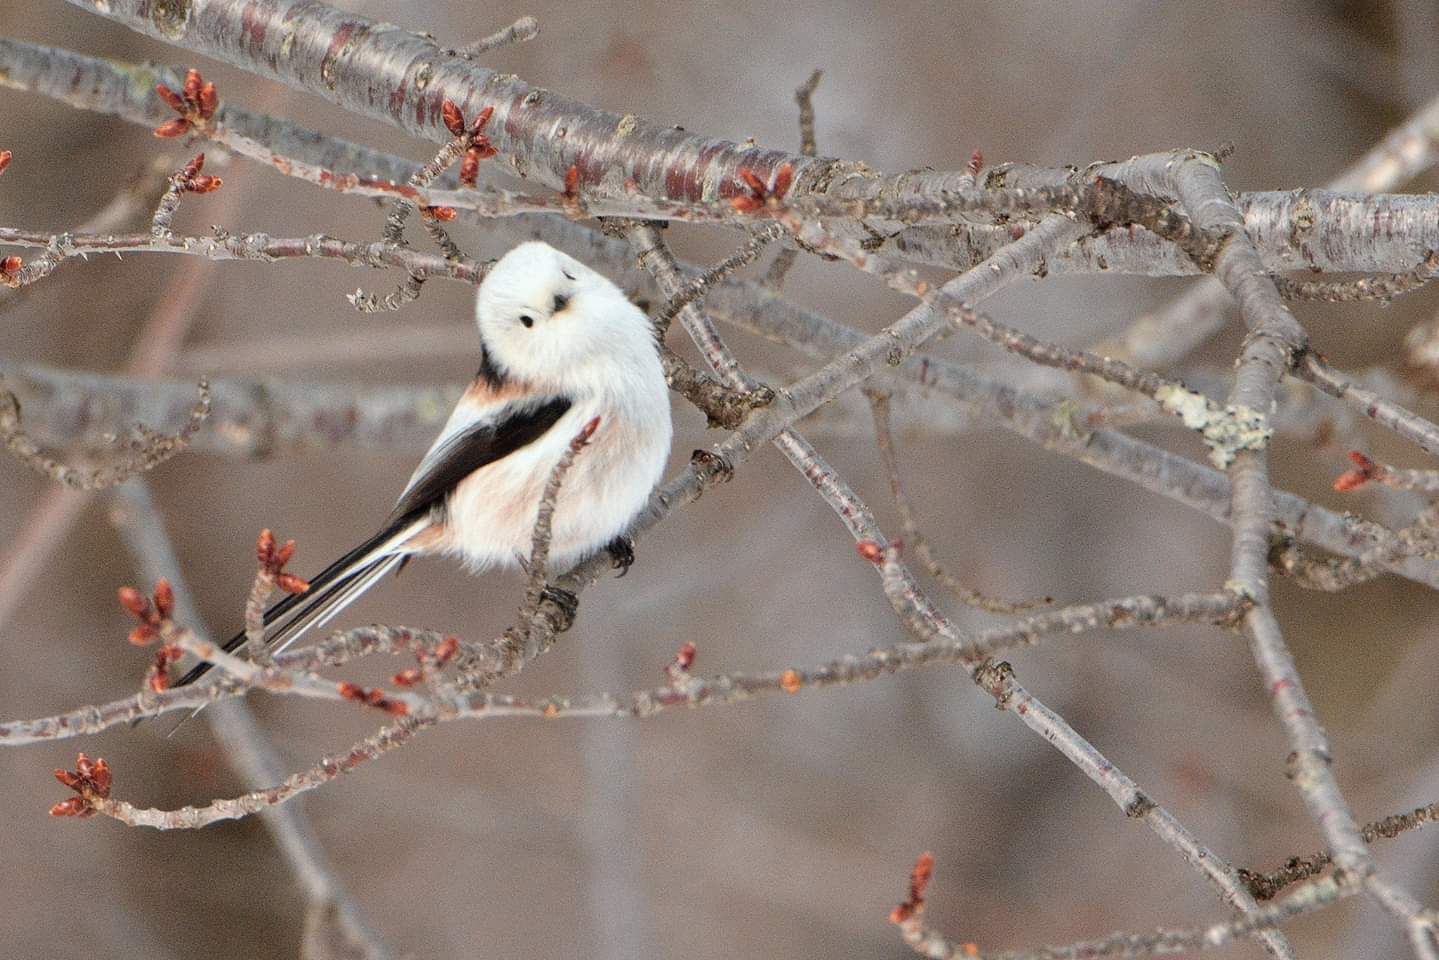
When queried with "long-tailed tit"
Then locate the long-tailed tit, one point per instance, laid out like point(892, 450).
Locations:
point(559, 346)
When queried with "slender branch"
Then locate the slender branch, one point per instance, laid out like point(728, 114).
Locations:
point(530, 609)
point(1335, 574)
point(377, 744)
point(914, 539)
point(1308, 899)
point(1266, 886)
point(223, 246)
point(694, 288)
point(524, 29)
point(783, 261)
point(150, 449)
point(1384, 288)
point(1386, 413)
point(1275, 339)
point(1121, 613)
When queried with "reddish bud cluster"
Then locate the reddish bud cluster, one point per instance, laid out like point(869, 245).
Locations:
point(272, 558)
point(430, 660)
point(1364, 471)
point(196, 105)
point(90, 779)
point(679, 668)
point(193, 181)
point(572, 182)
point(5, 156)
point(761, 195)
point(479, 147)
point(157, 678)
point(9, 266)
point(446, 651)
point(152, 613)
point(408, 677)
point(373, 698)
point(437, 214)
point(918, 881)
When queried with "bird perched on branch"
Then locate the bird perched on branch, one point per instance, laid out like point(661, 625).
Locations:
point(560, 345)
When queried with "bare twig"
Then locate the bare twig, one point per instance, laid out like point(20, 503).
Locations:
point(783, 261)
point(914, 539)
point(523, 29)
point(694, 289)
point(1386, 413)
point(1266, 886)
point(150, 449)
point(1384, 288)
point(188, 179)
point(934, 945)
point(540, 538)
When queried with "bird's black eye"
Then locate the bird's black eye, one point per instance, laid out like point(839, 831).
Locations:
point(527, 320)
point(562, 300)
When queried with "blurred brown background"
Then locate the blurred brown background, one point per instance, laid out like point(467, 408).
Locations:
point(780, 827)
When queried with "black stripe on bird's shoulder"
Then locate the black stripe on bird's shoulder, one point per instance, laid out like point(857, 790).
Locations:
point(473, 448)
point(490, 374)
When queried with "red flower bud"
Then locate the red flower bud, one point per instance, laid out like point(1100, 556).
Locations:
point(135, 602)
point(407, 677)
point(870, 550)
point(165, 598)
point(73, 807)
point(782, 180)
point(290, 583)
point(193, 82)
point(209, 101)
point(446, 650)
point(454, 119)
point(176, 102)
point(173, 128)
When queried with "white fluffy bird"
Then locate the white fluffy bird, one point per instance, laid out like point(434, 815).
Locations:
point(559, 345)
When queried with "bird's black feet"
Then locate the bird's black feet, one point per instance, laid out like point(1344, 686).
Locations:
point(622, 554)
point(568, 603)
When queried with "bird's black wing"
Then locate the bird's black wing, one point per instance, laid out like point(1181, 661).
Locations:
point(472, 448)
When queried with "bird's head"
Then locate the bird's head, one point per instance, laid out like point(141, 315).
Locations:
point(551, 321)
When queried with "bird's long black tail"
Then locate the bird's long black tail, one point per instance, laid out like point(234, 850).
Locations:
point(333, 589)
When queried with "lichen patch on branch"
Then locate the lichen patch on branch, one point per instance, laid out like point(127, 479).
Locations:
point(1226, 429)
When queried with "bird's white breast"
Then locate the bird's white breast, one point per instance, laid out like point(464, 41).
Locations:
point(491, 514)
